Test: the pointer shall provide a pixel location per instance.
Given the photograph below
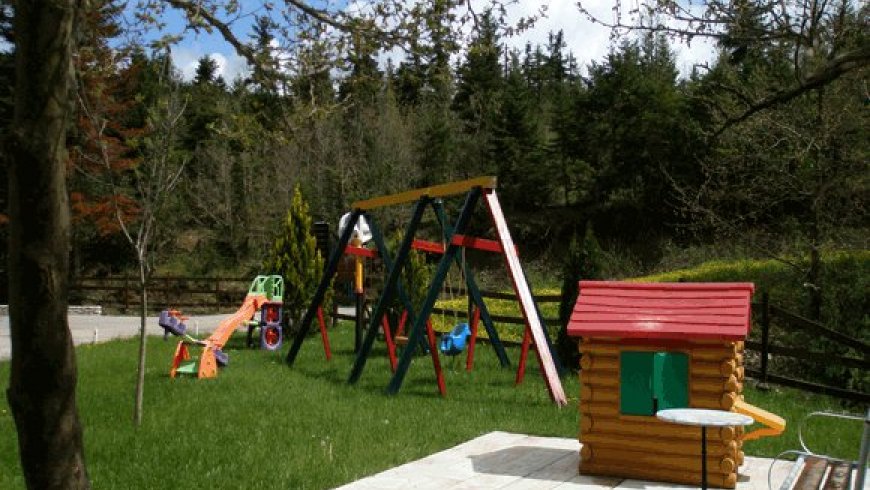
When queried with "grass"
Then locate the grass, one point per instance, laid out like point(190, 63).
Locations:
point(261, 424)
point(507, 331)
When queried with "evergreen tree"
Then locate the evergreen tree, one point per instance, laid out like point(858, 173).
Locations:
point(294, 256)
point(408, 80)
point(260, 91)
point(262, 38)
point(312, 85)
point(479, 80)
point(206, 71)
point(477, 101)
point(207, 108)
point(365, 80)
point(636, 136)
point(580, 263)
point(517, 145)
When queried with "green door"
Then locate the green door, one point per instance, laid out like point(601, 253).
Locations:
point(635, 383)
point(671, 380)
point(651, 381)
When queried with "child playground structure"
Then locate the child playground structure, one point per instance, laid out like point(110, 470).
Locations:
point(454, 240)
point(264, 296)
point(649, 347)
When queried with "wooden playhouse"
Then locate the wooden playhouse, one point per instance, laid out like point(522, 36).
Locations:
point(648, 347)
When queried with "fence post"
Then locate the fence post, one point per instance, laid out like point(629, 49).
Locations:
point(765, 337)
point(126, 292)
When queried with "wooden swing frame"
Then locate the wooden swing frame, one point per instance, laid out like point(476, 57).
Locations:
point(455, 240)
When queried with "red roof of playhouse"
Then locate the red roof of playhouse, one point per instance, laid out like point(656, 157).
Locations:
point(677, 311)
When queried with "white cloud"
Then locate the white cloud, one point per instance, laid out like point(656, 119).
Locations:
point(232, 66)
point(229, 66)
point(589, 41)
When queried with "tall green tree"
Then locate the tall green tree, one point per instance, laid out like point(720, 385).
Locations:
point(365, 80)
point(479, 87)
point(517, 146)
point(581, 262)
point(636, 137)
point(813, 33)
point(206, 71)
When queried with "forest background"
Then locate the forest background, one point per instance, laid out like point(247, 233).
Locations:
point(655, 163)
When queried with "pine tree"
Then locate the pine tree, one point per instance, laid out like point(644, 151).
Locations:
point(480, 77)
point(581, 262)
point(206, 71)
point(517, 145)
point(365, 80)
point(294, 256)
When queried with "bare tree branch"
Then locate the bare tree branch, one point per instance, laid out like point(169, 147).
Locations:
point(833, 70)
point(195, 9)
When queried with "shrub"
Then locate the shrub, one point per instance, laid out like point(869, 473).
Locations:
point(294, 255)
point(416, 277)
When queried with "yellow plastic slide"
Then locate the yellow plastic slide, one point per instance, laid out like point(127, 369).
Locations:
point(774, 423)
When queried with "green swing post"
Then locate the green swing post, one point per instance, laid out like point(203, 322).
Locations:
point(320, 293)
point(387, 293)
point(384, 252)
point(474, 291)
point(432, 294)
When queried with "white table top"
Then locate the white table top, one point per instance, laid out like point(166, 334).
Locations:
point(703, 417)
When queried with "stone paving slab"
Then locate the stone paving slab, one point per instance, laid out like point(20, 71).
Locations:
point(521, 462)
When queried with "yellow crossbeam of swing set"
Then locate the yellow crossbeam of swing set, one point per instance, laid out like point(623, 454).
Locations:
point(441, 190)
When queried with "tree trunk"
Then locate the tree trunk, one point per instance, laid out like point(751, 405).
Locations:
point(42, 384)
point(140, 374)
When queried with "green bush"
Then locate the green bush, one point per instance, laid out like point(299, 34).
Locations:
point(416, 277)
point(294, 256)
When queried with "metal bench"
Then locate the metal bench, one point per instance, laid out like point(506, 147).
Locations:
point(813, 471)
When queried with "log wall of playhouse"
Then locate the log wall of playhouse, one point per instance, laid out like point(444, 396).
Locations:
point(648, 347)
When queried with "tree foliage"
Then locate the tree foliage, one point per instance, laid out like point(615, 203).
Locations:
point(820, 41)
point(582, 261)
point(294, 256)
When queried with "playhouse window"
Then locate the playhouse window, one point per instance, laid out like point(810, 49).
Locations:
point(652, 381)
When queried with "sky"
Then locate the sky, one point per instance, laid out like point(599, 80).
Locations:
point(588, 42)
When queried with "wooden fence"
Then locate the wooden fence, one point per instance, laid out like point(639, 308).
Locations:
point(767, 316)
point(219, 293)
point(122, 292)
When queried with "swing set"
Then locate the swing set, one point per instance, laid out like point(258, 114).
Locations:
point(455, 240)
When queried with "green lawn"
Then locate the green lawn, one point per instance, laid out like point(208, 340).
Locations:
point(261, 424)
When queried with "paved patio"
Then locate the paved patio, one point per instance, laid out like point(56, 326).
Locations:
point(517, 461)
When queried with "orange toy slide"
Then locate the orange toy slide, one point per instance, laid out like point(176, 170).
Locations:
point(774, 423)
point(218, 338)
point(225, 328)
